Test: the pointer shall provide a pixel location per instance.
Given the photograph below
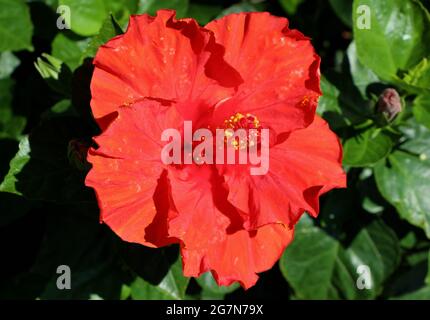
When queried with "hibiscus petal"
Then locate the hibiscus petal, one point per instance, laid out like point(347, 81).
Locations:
point(240, 256)
point(304, 166)
point(201, 220)
point(125, 191)
point(127, 172)
point(211, 234)
point(136, 131)
point(160, 58)
point(279, 67)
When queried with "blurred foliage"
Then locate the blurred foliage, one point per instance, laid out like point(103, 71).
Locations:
point(48, 218)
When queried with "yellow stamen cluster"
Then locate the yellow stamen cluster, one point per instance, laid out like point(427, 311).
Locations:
point(241, 121)
point(238, 120)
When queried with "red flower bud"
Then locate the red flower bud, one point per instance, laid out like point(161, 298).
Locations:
point(389, 103)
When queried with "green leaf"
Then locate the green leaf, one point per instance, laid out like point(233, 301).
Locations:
point(328, 106)
point(419, 76)
point(60, 109)
point(421, 294)
point(341, 103)
point(16, 165)
point(171, 287)
point(421, 110)
point(74, 238)
point(367, 148)
point(203, 13)
point(338, 105)
point(403, 179)
point(343, 9)
point(311, 248)
point(11, 126)
point(212, 289)
point(427, 279)
point(122, 9)
point(109, 29)
point(42, 170)
point(56, 73)
point(16, 28)
point(125, 292)
point(361, 76)
point(152, 6)
point(69, 49)
point(409, 240)
point(398, 38)
point(409, 277)
point(86, 16)
point(318, 266)
point(290, 6)
point(417, 258)
point(8, 63)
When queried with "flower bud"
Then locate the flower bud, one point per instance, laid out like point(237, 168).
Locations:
point(389, 104)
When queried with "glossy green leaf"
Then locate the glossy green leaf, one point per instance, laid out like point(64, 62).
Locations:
point(125, 292)
point(419, 76)
point(367, 148)
point(318, 266)
point(42, 170)
point(341, 103)
point(309, 262)
point(328, 101)
point(16, 165)
point(398, 37)
point(56, 73)
point(421, 294)
point(343, 9)
point(361, 76)
point(172, 285)
point(421, 110)
point(328, 105)
point(69, 49)
point(75, 238)
point(403, 179)
point(86, 16)
point(203, 13)
point(211, 288)
point(122, 9)
point(409, 278)
point(8, 63)
point(109, 29)
point(16, 28)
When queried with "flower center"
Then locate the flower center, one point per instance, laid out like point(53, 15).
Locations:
point(240, 121)
point(241, 140)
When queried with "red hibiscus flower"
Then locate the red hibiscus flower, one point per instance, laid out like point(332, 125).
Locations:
point(245, 70)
